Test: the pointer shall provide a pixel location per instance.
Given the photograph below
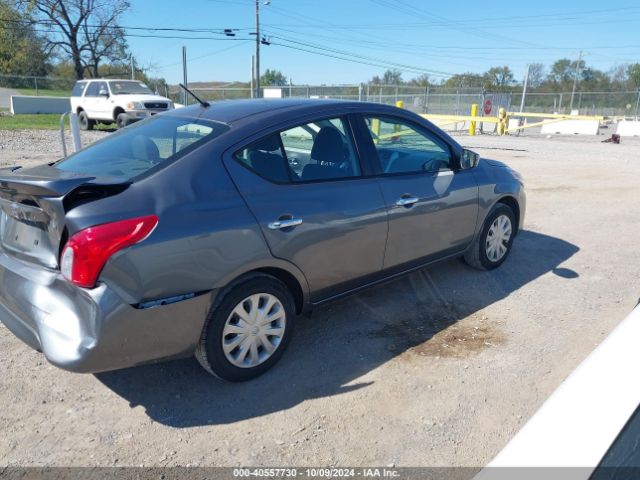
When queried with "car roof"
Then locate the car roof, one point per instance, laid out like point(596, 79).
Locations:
point(232, 111)
point(109, 80)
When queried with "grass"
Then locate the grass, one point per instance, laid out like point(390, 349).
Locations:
point(44, 121)
point(45, 92)
point(22, 122)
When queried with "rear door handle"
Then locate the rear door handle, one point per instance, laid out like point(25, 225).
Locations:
point(280, 224)
point(406, 201)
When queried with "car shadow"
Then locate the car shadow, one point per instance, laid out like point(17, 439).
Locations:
point(346, 339)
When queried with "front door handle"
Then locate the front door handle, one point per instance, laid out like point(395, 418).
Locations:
point(280, 224)
point(406, 201)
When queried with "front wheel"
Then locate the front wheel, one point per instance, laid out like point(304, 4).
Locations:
point(122, 120)
point(492, 246)
point(248, 330)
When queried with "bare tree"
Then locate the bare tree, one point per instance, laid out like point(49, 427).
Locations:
point(537, 74)
point(85, 30)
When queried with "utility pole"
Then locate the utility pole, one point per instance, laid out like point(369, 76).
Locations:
point(257, 49)
point(575, 80)
point(253, 76)
point(524, 89)
point(133, 74)
point(185, 98)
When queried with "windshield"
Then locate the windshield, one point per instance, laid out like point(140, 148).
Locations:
point(132, 151)
point(124, 87)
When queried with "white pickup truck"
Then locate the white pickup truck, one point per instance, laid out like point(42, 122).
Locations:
point(114, 101)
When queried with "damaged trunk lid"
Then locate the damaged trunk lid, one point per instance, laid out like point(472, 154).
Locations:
point(33, 205)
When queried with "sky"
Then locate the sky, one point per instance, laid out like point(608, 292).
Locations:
point(439, 38)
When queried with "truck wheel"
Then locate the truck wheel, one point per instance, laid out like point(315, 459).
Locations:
point(247, 329)
point(122, 120)
point(85, 123)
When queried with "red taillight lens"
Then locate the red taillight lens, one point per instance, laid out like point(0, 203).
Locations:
point(88, 250)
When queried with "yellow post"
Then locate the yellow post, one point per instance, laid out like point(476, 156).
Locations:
point(400, 104)
point(503, 121)
point(474, 113)
point(375, 128)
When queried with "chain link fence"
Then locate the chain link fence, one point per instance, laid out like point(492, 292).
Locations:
point(428, 99)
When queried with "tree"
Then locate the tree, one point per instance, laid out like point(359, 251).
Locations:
point(464, 80)
point(633, 71)
point(273, 78)
point(392, 77)
point(537, 74)
point(87, 31)
point(21, 50)
point(498, 78)
point(420, 81)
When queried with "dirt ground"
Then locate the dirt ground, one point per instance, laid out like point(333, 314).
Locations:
point(439, 368)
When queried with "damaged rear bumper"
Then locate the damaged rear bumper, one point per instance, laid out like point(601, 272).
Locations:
point(94, 330)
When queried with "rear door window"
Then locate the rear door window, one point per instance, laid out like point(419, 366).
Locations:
point(315, 151)
point(135, 150)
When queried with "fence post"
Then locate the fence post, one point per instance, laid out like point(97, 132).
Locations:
point(360, 92)
point(638, 102)
point(367, 92)
point(35, 80)
point(560, 102)
point(579, 100)
point(426, 99)
point(308, 91)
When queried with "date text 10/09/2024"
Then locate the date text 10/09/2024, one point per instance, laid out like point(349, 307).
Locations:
point(315, 472)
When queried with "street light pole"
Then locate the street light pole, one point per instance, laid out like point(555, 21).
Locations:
point(257, 95)
point(575, 80)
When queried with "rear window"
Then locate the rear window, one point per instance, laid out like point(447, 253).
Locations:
point(133, 151)
point(77, 89)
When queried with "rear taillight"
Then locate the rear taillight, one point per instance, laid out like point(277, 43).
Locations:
point(87, 251)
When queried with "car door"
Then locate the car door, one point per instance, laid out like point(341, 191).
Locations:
point(305, 186)
point(103, 103)
point(89, 101)
point(432, 204)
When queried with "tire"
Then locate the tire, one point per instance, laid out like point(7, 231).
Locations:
point(122, 121)
point(480, 254)
point(85, 123)
point(223, 322)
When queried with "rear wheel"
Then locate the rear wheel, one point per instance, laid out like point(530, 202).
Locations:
point(493, 245)
point(248, 329)
point(85, 123)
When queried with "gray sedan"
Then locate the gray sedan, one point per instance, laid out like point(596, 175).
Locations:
point(207, 230)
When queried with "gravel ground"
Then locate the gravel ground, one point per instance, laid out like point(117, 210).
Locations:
point(439, 368)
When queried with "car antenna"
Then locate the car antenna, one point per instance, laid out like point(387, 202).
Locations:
point(198, 99)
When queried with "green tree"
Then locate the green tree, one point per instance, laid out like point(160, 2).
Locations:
point(273, 78)
point(633, 72)
point(464, 80)
point(498, 78)
point(420, 81)
point(21, 50)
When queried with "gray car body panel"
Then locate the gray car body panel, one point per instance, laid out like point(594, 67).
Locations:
point(212, 230)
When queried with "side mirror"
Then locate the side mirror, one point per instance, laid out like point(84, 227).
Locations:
point(103, 93)
point(469, 159)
